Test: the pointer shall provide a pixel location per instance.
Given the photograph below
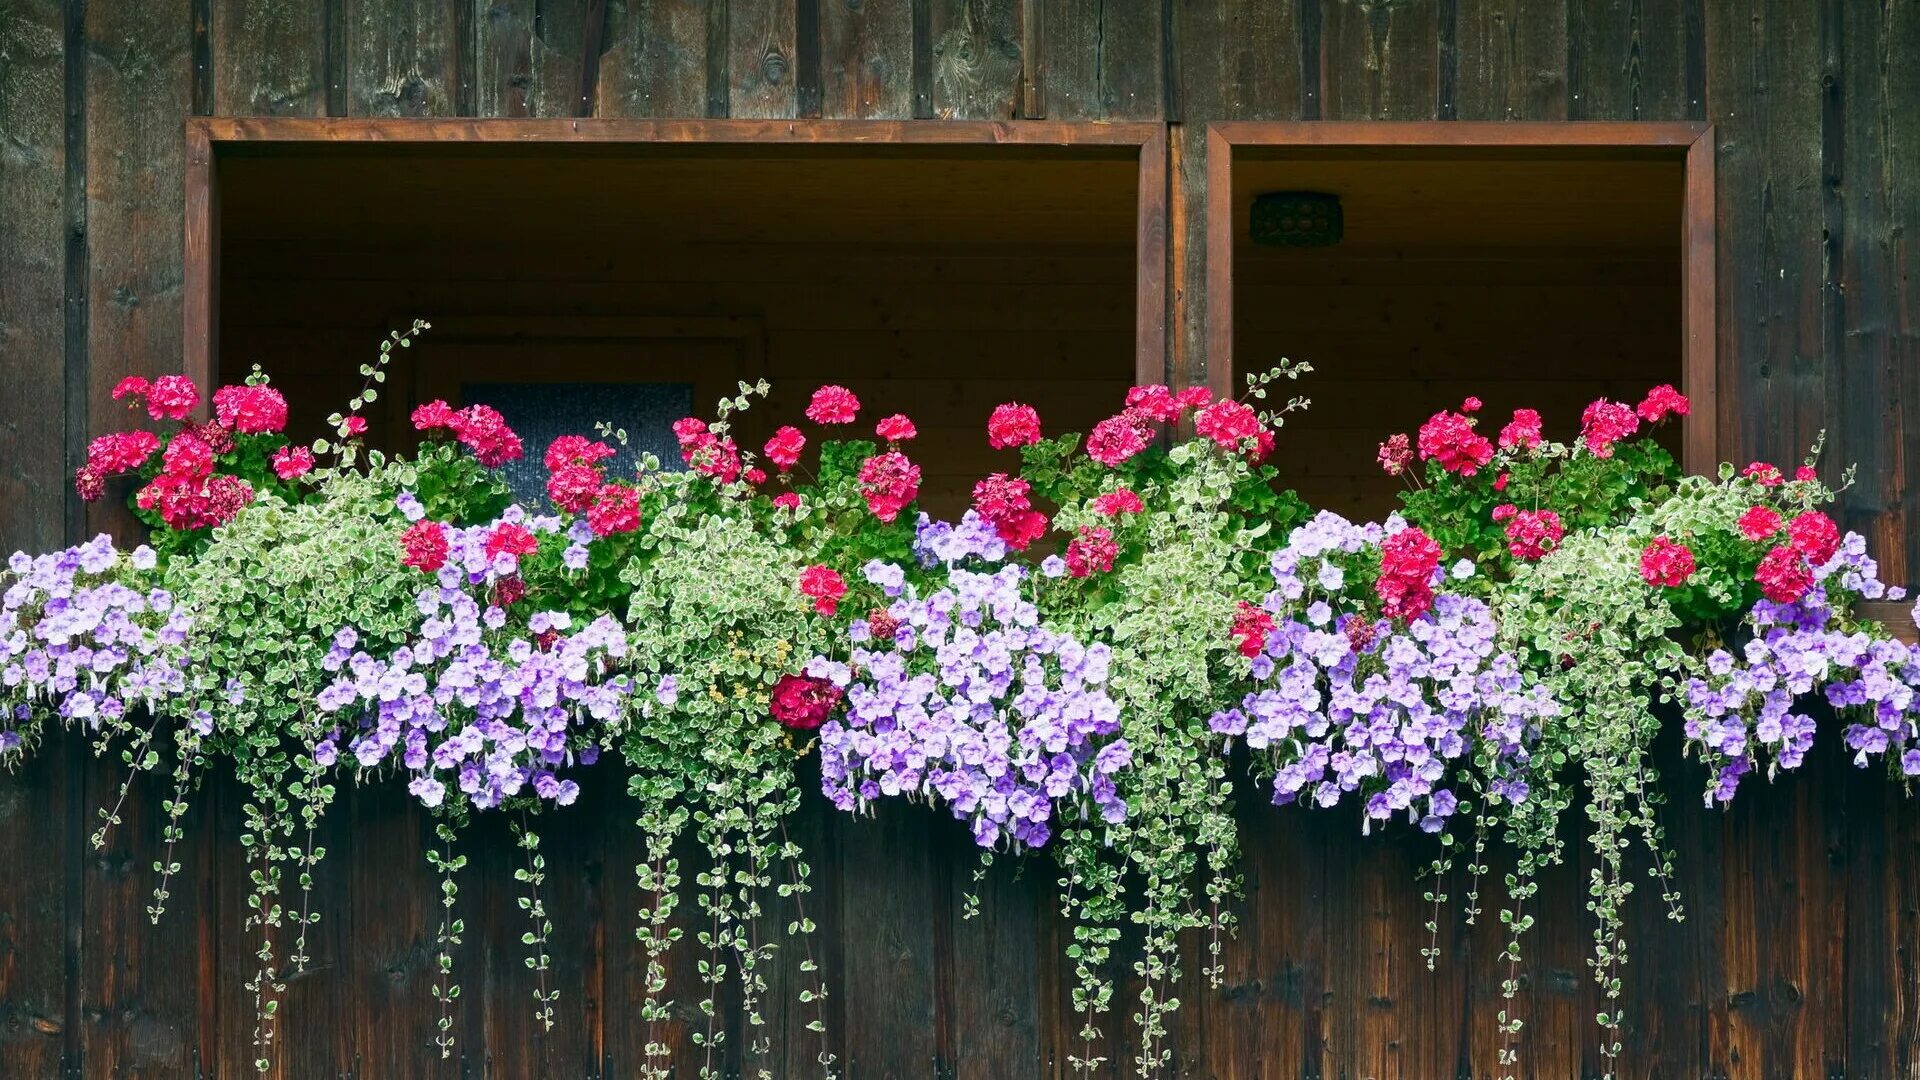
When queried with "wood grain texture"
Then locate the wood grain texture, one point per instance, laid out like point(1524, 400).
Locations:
point(762, 55)
point(975, 63)
point(1628, 59)
point(657, 60)
point(1512, 59)
point(1382, 59)
point(1764, 99)
point(866, 59)
point(33, 478)
point(529, 59)
point(269, 58)
point(402, 57)
point(1102, 59)
point(1238, 60)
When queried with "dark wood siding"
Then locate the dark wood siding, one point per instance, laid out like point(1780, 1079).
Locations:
point(1799, 955)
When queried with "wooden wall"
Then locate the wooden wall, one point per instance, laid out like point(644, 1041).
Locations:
point(1799, 958)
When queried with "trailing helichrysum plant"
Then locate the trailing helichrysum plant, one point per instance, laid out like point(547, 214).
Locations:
point(268, 595)
point(720, 631)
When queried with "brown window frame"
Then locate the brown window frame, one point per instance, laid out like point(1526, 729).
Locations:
point(1691, 143)
point(207, 137)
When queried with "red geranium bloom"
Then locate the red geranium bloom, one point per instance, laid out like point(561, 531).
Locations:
point(1019, 531)
point(882, 624)
point(1662, 401)
point(1395, 455)
point(1784, 575)
point(187, 456)
point(1251, 625)
point(803, 703)
point(1605, 423)
point(424, 546)
point(1449, 438)
point(1193, 397)
point(250, 410)
point(433, 416)
point(889, 482)
point(1119, 437)
point(1533, 533)
point(1759, 523)
point(1408, 559)
point(356, 426)
point(1522, 432)
point(121, 452)
point(895, 428)
point(512, 539)
point(1013, 424)
point(820, 583)
point(1116, 502)
point(133, 386)
point(89, 483)
point(615, 510)
point(833, 405)
point(1155, 401)
point(292, 462)
point(509, 591)
point(1806, 474)
point(1094, 549)
point(756, 476)
point(1666, 563)
point(787, 500)
point(1763, 474)
point(720, 460)
point(172, 397)
point(481, 429)
point(574, 486)
point(1500, 482)
point(785, 447)
point(1814, 535)
point(1227, 423)
point(576, 449)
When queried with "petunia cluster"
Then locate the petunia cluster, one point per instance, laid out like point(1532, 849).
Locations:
point(1751, 703)
point(463, 705)
point(1344, 702)
point(964, 698)
point(85, 635)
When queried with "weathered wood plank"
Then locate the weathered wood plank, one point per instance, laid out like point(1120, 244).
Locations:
point(1765, 103)
point(887, 890)
point(762, 55)
point(402, 57)
point(269, 58)
point(657, 60)
point(1382, 59)
point(528, 58)
point(35, 830)
point(1628, 59)
point(976, 58)
point(33, 480)
point(1238, 60)
point(866, 59)
point(1512, 61)
point(1102, 60)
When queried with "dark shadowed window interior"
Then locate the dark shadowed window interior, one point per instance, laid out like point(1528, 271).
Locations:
point(541, 411)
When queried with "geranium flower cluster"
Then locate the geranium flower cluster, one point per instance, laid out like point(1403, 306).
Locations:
point(462, 705)
point(577, 483)
point(1346, 703)
point(1125, 434)
point(963, 698)
point(188, 492)
point(479, 428)
point(1753, 700)
point(80, 636)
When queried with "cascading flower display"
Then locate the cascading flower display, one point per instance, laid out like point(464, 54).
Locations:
point(972, 703)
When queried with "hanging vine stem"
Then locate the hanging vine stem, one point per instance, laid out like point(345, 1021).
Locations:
point(660, 876)
point(749, 882)
point(171, 831)
point(712, 971)
point(532, 875)
point(815, 995)
point(447, 935)
point(315, 795)
point(138, 758)
point(265, 912)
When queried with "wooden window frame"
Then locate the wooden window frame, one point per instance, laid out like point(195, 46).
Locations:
point(206, 137)
point(1690, 143)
